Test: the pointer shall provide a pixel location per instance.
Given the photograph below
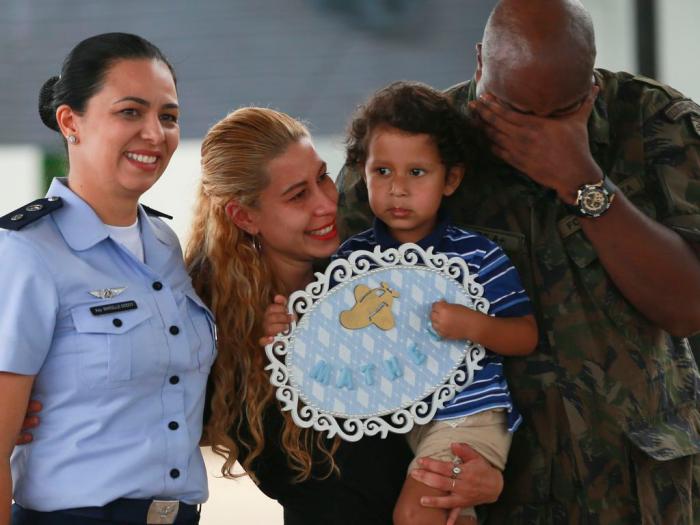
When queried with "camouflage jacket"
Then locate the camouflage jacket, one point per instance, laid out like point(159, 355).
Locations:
point(603, 377)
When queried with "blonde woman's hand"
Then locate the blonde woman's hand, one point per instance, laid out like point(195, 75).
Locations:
point(477, 483)
point(276, 320)
point(31, 421)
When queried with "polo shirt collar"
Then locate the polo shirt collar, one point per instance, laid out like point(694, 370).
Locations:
point(385, 239)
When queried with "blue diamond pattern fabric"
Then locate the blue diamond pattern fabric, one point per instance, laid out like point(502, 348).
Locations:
point(370, 371)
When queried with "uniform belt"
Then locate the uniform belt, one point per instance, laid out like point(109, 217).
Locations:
point(140, 511)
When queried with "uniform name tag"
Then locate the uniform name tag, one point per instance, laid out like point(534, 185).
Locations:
point(113, 308)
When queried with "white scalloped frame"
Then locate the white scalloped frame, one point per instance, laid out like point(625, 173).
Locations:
point(341, 271)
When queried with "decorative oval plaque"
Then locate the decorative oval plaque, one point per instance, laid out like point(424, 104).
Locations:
point(363, 358)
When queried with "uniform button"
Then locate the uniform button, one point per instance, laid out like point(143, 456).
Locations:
point(174, 473)
point(174, 380)
point(117, 322)
point(174, 330)
point(173, 425)
point(157, 286)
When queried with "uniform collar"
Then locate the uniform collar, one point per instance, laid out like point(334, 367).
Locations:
point(77, 221)
point(385, 240)
point(156, 253)
point(149, 227)
point(599, 123)
point(82, 228)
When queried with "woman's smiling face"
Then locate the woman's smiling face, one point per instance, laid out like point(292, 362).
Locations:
point(129, 130)
point(296, 212)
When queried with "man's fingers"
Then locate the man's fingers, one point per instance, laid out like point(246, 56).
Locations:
point(492, 110)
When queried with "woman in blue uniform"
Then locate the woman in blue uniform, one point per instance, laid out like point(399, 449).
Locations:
point(99, 320)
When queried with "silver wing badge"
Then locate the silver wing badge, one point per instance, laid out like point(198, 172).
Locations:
point(107, 293)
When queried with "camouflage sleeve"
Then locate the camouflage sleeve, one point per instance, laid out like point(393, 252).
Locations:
point(354, 214)
point(672, 156)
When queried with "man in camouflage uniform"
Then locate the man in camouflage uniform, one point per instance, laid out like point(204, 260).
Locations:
point(612, 428)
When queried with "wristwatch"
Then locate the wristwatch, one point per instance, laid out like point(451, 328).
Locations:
point(593, 200)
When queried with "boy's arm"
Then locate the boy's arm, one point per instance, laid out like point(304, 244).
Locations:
point(502, 335)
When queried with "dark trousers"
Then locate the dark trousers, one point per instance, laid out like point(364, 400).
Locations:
point(22, 516)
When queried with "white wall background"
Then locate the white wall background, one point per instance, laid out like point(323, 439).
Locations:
point(614, 31)
point(679, 45)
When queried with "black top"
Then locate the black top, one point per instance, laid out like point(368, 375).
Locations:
point(372, 472)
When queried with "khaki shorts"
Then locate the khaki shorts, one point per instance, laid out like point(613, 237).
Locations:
point(486, 432)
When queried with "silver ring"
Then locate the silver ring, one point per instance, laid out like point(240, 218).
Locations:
point(456, 471)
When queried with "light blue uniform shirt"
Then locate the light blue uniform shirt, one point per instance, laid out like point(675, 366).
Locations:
point(123, 392)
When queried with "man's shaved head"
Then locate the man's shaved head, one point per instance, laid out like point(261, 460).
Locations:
point(524, 30)
point(550, 39)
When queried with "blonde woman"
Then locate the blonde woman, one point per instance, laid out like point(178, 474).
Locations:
point(266, 212)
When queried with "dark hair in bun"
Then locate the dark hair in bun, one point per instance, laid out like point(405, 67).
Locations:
point(84, 70)
point(46, 110)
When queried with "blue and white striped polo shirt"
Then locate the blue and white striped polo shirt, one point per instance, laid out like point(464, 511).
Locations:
point(502, 288)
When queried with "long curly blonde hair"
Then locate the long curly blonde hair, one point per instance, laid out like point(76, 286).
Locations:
point(233, 277)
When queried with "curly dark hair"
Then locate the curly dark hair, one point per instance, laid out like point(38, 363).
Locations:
point(414, 107)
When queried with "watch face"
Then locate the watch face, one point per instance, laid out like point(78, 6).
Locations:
point(594, 201)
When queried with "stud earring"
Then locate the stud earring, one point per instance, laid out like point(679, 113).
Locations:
point(72, 139)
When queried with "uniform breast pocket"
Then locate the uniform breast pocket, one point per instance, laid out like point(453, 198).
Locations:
point(202, 334)
point(117, 347)
point(579, 249)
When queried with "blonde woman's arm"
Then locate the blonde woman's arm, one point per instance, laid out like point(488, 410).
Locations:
point(15, 391)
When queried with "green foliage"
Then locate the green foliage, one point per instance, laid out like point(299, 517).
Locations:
point(54, 164)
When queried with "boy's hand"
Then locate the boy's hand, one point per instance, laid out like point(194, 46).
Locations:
point(447, 319)
point(276, 320)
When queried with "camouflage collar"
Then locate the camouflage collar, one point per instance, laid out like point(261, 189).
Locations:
point(598, 123)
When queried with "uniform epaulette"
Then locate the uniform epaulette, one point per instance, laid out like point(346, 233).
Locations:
point(676, 109)
point(672, 93)
point(680, 108)
point(29, 213)
point(155, 213)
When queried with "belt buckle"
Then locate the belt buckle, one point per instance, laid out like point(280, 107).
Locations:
point(162, 511)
